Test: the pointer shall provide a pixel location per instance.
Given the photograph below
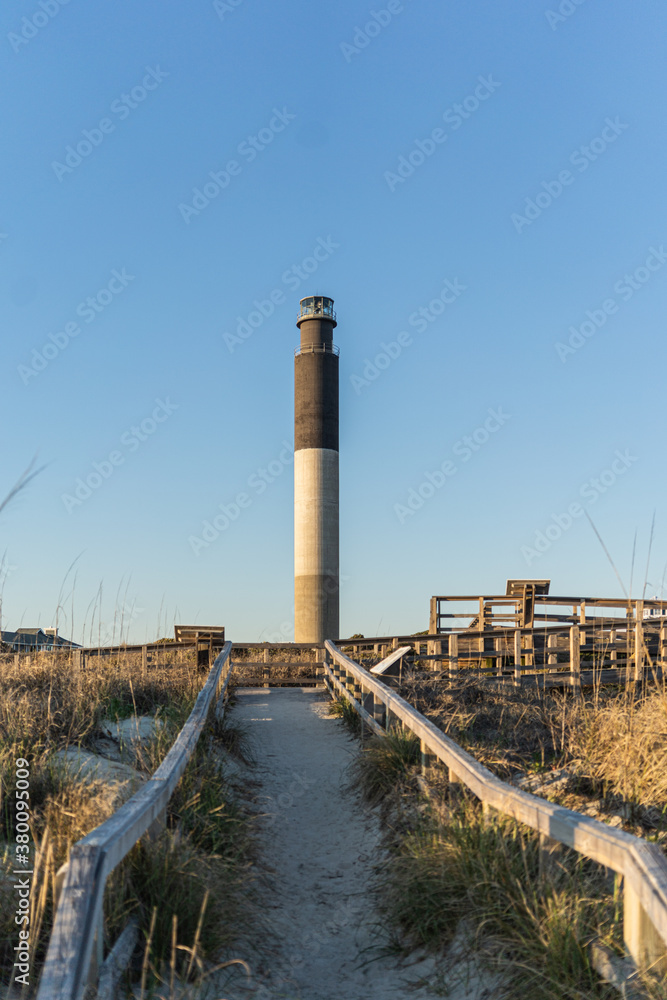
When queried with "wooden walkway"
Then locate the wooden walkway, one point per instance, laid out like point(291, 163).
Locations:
point(320, 843)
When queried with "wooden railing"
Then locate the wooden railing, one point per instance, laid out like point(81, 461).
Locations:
point(74, 956)
point(643, 866)
point(259, 664)
point(527, 605)
point(79, 656)
point(611, 651)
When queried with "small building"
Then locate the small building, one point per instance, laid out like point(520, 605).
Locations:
point(28, 640)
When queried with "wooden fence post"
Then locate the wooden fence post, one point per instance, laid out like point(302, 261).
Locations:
point(144, 659)
point(378, 710)
point(394, 643)
point(97, 957)
point(529, 658)
point(498, 645)
point(639, 641)
point(517, 657)
point(362, 699)
point(117, 961)
point(575, 660)
point(629, 640)
point(482, 627)
point(427, 759)
point(613, 656)
point(326, 659)
point(642, 940)
point(552, 658)
point(453, 656)
point(433, 617)
point(584, 637)
point(266, 669)
point(488, 812)
point(549, 850)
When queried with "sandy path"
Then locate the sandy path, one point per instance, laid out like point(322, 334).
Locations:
point(319, 842)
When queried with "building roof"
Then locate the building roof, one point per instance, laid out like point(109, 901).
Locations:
point(25, 636)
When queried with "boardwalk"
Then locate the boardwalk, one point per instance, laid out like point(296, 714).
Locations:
point(318, 937)
point(320, 844)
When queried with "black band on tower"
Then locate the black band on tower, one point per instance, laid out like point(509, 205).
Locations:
point(316, 401)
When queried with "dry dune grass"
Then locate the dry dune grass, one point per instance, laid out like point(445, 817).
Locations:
point(506, 729)
point(456, 874)
point(47, 706)
point(620, 744)
point(613, 740)
point(48, 702)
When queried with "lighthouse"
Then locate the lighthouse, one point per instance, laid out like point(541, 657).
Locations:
point(316, 573)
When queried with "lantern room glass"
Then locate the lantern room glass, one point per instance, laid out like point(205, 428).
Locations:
point(317, 305)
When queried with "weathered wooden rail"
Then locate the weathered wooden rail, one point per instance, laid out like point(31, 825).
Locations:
point(643, 866)
point(151, 653)
point(528, 601)
point(74, 958)
point(602, 651)
point(526, 632)
point(300, 666)
point(265, 664)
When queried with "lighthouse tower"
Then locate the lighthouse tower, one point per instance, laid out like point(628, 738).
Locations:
point(316, 574)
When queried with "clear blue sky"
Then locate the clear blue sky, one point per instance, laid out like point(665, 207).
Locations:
point(361, 152)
